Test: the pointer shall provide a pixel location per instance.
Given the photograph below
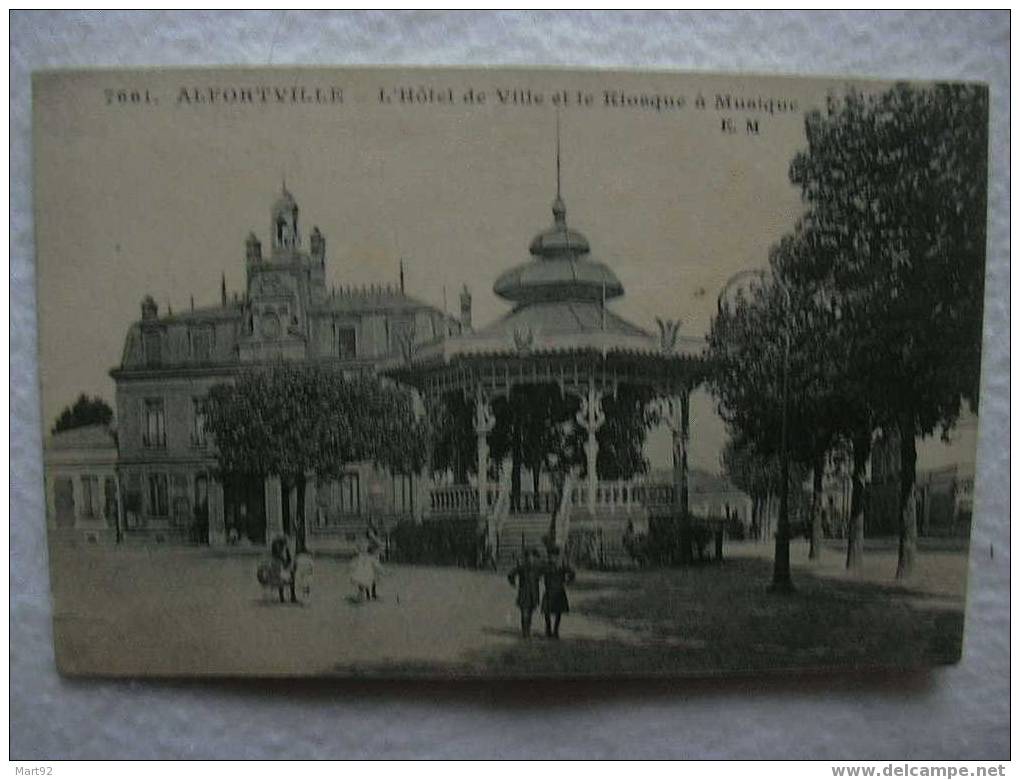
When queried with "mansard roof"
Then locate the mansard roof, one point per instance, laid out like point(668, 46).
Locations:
point(89, 437)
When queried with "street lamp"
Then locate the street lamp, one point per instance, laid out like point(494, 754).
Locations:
point(781, 581)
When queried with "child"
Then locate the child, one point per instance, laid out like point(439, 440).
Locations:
point(364, 571)
point(303, 575)
point(556, 575)
point(526, 576)
point(282, 568)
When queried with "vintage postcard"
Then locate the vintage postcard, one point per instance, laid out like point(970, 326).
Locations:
point(507, 373)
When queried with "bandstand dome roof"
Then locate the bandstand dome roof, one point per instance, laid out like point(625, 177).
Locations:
point(561, 268)
point(559, 312)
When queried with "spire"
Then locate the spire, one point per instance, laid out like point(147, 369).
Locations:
point(559, 207)
point(401, 276)
point(557, 154)
point(223, 289)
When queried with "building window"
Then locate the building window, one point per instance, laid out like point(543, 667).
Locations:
point(110, 498)
point(159, 503)
point(202, 496)
point(347, 343)
point(63, 502)
point(198, 422)
point(401, 335)
point(133, 498)
point(90, 506)
point(153, 348)
point(403, 492)
point(154, 432)
point(346, 498)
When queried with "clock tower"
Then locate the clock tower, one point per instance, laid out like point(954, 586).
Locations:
point(281, 287)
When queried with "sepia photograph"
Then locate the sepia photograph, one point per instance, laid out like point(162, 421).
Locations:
point(504, 373)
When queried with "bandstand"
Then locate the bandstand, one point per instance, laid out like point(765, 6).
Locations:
point(560, 332)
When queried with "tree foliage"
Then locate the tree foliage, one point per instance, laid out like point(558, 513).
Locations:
point(535, 429)
point(454, 443)
point(896, 187)
point(292, 419)
point(879, 288)
point(84, 411)
point(622, 437)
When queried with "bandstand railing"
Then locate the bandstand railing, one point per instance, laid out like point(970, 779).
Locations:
point(610, 496)
point(459, 499)
point(531, 503)
point(624, 495)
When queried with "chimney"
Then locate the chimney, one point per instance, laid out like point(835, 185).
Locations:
point(253, 249)
point(318, 246)
point(465, 308)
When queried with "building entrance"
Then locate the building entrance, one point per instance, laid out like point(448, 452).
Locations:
point(244, 500)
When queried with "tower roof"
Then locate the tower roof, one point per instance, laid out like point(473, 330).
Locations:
point(285, 201)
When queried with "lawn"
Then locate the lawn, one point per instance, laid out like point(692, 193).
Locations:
point(196, 611)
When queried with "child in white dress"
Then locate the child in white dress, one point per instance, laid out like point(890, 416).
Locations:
point(364, 571)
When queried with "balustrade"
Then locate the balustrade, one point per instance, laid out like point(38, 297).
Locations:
point(610, 495)
point(454, 499)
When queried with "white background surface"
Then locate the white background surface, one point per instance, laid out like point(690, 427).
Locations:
point(960, 712)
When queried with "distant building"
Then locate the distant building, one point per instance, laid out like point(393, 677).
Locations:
point(166, 462)
point(944, 495)
point(712, 496)
point(82, 494)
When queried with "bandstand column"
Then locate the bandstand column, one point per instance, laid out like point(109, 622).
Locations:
point(591, 417)
point(484, 423)
point(675, 412)
point(423, 405)
point(685, 438)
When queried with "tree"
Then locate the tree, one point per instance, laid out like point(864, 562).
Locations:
point(84, 411)
point(622, 436)
point(896, 187)
point(292, 420)
point(753, 473)
point(789, 316)
point(454, 442)
point(535, 430)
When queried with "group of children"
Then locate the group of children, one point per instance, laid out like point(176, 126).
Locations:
point(285, 572)
point(290, 573)
point(554, 574)
point(541, 584)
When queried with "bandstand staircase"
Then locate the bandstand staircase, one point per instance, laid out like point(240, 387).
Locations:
point(519, 532)
point(533, 527)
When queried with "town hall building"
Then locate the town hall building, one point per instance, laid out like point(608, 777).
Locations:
point(170, 490)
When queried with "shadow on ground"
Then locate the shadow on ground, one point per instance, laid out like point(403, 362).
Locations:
point(718, 619)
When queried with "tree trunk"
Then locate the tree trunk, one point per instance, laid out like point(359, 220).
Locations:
point(815, 551)
point(855, 529)
point(907, 504)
